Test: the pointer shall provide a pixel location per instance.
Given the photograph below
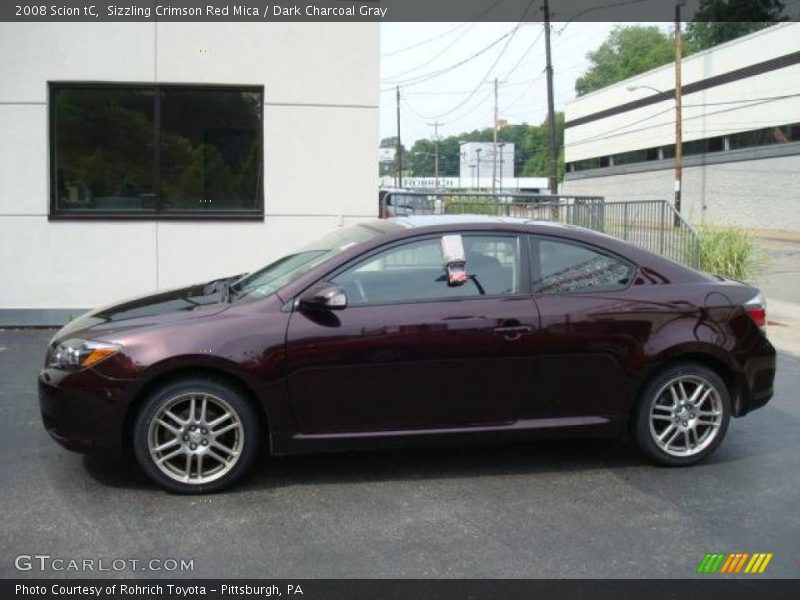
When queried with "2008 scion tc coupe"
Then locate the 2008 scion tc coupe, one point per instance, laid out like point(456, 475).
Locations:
point(414, 329)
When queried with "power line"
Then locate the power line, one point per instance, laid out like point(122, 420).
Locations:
point(594, 9)
point(441, 35)
point(753, 101)
point(618, 131)
point(435, 56)
point(421, 78)
point(452, 119)
point(524, 55)
point(457, 92)
point(423, 42)
point(524, 91)
point(471, 111)
point(512, 33)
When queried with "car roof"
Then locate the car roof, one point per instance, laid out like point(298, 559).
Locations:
point(414, 221)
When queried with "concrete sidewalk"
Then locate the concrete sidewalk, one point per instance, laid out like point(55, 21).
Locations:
point(781, 277)
point(780, 283)
point(783, 328)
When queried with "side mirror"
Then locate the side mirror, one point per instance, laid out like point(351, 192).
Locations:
point(455, 260)
point(323, 296)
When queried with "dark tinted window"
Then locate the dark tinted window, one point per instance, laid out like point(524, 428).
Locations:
point(415, 271)
point(103, 149)
point(765, 137)
point(636, 156)
point(714, 144)
point(151, 149)
point(210, 149)
point(563, 267)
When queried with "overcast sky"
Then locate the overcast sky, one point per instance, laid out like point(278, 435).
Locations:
point(449, 98)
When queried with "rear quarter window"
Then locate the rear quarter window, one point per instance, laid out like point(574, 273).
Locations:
point(564, 267)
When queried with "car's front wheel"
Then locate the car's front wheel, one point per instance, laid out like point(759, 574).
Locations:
point(682, 415)
point(195, 435)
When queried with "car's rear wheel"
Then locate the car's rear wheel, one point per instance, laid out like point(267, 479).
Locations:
point(683, 415)
point(195, 435)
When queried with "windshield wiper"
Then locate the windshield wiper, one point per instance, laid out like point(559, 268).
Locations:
point(224, 287)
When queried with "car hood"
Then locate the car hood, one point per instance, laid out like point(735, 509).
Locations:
point(191, 302)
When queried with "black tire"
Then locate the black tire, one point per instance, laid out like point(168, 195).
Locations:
point(655, 389)
point(247, 436)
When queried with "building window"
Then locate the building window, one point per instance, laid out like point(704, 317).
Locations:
point(765, 137)
point(704, 146)
point(591, 163)
point(156, 151)
point(782, 134)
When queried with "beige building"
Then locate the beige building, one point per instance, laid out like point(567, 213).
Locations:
point(741, 130)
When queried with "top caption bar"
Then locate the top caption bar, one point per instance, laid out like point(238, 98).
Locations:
point(259, 11)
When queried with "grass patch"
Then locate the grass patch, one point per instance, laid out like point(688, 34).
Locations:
point(473, 206)
point(729, 252)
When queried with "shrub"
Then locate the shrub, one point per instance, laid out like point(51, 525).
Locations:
point(729, 252)
point(472, 205)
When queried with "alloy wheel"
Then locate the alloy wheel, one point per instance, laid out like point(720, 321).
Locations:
point(686, 415)
point(195, 438)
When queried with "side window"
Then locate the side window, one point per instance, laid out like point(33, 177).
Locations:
point(493, 264)
point(415, 271)
point(563, 267)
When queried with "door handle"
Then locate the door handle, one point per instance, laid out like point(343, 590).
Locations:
point(513, 332)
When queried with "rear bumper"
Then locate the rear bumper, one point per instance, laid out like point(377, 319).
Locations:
point(83, 411)
point(758, 377)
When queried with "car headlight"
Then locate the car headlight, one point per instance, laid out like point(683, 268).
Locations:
point(77, 354)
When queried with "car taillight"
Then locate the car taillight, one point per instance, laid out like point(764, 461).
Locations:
point(756, 307)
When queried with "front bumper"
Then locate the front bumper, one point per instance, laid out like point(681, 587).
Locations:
point(84, 411)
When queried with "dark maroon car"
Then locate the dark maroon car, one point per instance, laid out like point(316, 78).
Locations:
point(414, 329)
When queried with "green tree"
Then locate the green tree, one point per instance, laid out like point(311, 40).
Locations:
point(530, 149)
point(536, 163)
point(719, 21)
point(626, 52)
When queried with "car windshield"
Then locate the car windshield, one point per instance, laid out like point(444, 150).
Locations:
point(268, 280)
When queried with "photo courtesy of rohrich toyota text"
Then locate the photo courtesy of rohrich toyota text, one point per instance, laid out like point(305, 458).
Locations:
point(168, 590)
point(342, 299)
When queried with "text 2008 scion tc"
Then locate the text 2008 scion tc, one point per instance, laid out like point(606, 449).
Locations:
point(408, 330)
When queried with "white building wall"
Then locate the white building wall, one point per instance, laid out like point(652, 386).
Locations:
point(728, 108)
point(758, 193)
point(320, 117)
point(727, 191)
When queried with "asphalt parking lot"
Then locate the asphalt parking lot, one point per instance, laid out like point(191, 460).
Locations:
point(566, 509)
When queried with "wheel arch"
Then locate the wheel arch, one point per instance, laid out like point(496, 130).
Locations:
point(174, 372)
point(706, 359)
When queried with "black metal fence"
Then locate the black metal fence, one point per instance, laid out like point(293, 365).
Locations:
point(650, 224)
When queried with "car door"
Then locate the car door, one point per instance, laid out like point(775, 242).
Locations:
point(409, 351)
point(588, 333)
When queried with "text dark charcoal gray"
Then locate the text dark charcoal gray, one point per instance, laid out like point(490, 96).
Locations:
point(340, 10)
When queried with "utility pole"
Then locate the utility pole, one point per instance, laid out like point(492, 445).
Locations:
point(552, 164)
point(678, 112)
point(494, 141)
point(478, 152)
point(501, 145)
point(435, 126)
point(399, 146)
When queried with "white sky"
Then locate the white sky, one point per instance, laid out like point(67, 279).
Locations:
point(521, 98)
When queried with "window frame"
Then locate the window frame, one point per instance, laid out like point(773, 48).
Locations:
point(524, 267)
point(533, 240)
point(55, 213)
